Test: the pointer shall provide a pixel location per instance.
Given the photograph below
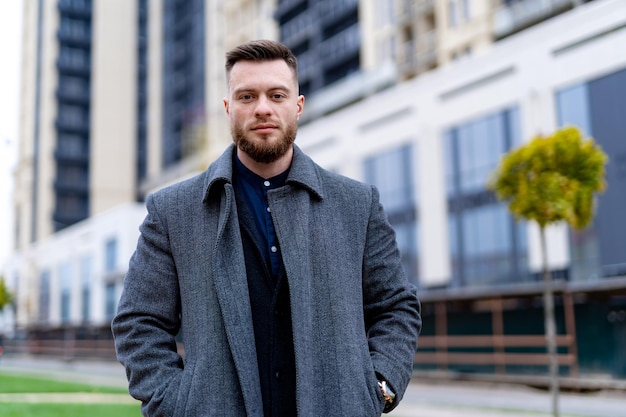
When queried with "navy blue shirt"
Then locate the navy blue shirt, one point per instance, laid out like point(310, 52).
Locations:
point(254, 190)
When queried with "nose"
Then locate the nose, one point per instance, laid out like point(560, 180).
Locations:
point(263, 107)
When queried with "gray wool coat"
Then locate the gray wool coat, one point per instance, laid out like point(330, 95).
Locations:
point(353, 312)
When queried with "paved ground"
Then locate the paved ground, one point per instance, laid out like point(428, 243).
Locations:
point(428, 398)
point(474, 399)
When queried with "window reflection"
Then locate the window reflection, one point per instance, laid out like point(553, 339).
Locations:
point(487, 245)
point(392, 174)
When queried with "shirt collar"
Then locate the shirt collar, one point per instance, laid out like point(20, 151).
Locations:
point(256, 180)
point(303, 173)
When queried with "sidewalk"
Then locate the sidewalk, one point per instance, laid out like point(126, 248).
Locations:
point(473, 399)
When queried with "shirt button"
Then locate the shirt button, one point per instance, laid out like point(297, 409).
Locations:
point(266, 183)
point(279, 375)
point(274, 249)
point(268, 209)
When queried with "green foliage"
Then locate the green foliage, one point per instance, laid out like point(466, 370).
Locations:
point(6, 297)
point(552, 179)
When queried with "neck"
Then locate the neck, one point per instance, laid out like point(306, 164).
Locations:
point(268, 170)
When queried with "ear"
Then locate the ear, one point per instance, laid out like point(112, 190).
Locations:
point(226, 106)
point(300, 105)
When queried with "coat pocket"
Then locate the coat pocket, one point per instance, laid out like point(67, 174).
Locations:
point(376, 397)
point(184, 389)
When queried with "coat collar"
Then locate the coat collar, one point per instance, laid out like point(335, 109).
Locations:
point(303, 173)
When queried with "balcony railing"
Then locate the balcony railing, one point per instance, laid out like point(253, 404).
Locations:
point(333, 8)
point(73, 65)
point(420, 53)
point(342, 44)
point(75, 8)
point(518, 15)
point(74, 35)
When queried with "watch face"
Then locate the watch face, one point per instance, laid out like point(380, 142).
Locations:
point(388, 394)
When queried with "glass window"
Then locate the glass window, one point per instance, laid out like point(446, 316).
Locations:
point(481, 144)
point(110, 301)
point(573, 108)
point(74, 57)
point(467, 13)
point(73, 116)
point(488, 242)
point(44, 296)
point(452, 13)
point(392, 174)
point(597, 108)
point(455, 251)
point(72, 145)
point(384, 13)
point(86, 276)
point(450, 161)
point(110, 255)
point(65, 277)
point(407, 243)
point(486, 245)
point(513, 128)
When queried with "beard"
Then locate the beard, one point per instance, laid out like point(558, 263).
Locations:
point(262, 150)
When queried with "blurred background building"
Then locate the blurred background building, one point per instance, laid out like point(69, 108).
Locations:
point(419, 97)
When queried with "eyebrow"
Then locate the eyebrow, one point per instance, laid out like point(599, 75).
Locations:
point(247, 89)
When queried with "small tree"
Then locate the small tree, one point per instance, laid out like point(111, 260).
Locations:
point(6, 298)
point(549, 180)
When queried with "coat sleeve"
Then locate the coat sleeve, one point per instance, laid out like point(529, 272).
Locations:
point(391, 306)
point(148, 320)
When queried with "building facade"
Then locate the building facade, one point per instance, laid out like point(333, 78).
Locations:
point(77, 115)
point(430, 145)
point(418, 97)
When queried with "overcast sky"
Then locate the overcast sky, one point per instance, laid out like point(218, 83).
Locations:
point(10, 47)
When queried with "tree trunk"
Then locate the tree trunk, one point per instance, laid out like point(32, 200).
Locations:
point(550, 325)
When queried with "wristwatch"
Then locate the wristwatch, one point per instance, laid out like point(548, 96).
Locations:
point(388, 394)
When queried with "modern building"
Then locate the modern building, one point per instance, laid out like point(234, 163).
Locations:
point(77, 155)
point(430, 145)
point(68, 284)
point(419, 97)
point(113, 105)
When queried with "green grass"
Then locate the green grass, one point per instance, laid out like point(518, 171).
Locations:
point(65, 410)
point(12, 384)
point(15, 384)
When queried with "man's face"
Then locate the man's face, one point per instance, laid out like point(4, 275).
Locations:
point(264, 107)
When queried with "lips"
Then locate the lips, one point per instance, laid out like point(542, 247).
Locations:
point(264, 128)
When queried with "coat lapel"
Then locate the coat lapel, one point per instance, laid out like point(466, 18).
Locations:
point(290, 208)
point(231, 286)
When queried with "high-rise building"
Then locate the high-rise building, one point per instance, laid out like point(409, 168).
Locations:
point(419, 97)
point(325, 36)
point(118, 98)
point(77, 154)
point(185, 81)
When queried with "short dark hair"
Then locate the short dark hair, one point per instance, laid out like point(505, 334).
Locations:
point(261, 50)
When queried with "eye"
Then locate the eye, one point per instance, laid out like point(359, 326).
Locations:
point(278, 96)
point(245, 97)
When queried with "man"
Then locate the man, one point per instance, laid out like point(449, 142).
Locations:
point(284, 279)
